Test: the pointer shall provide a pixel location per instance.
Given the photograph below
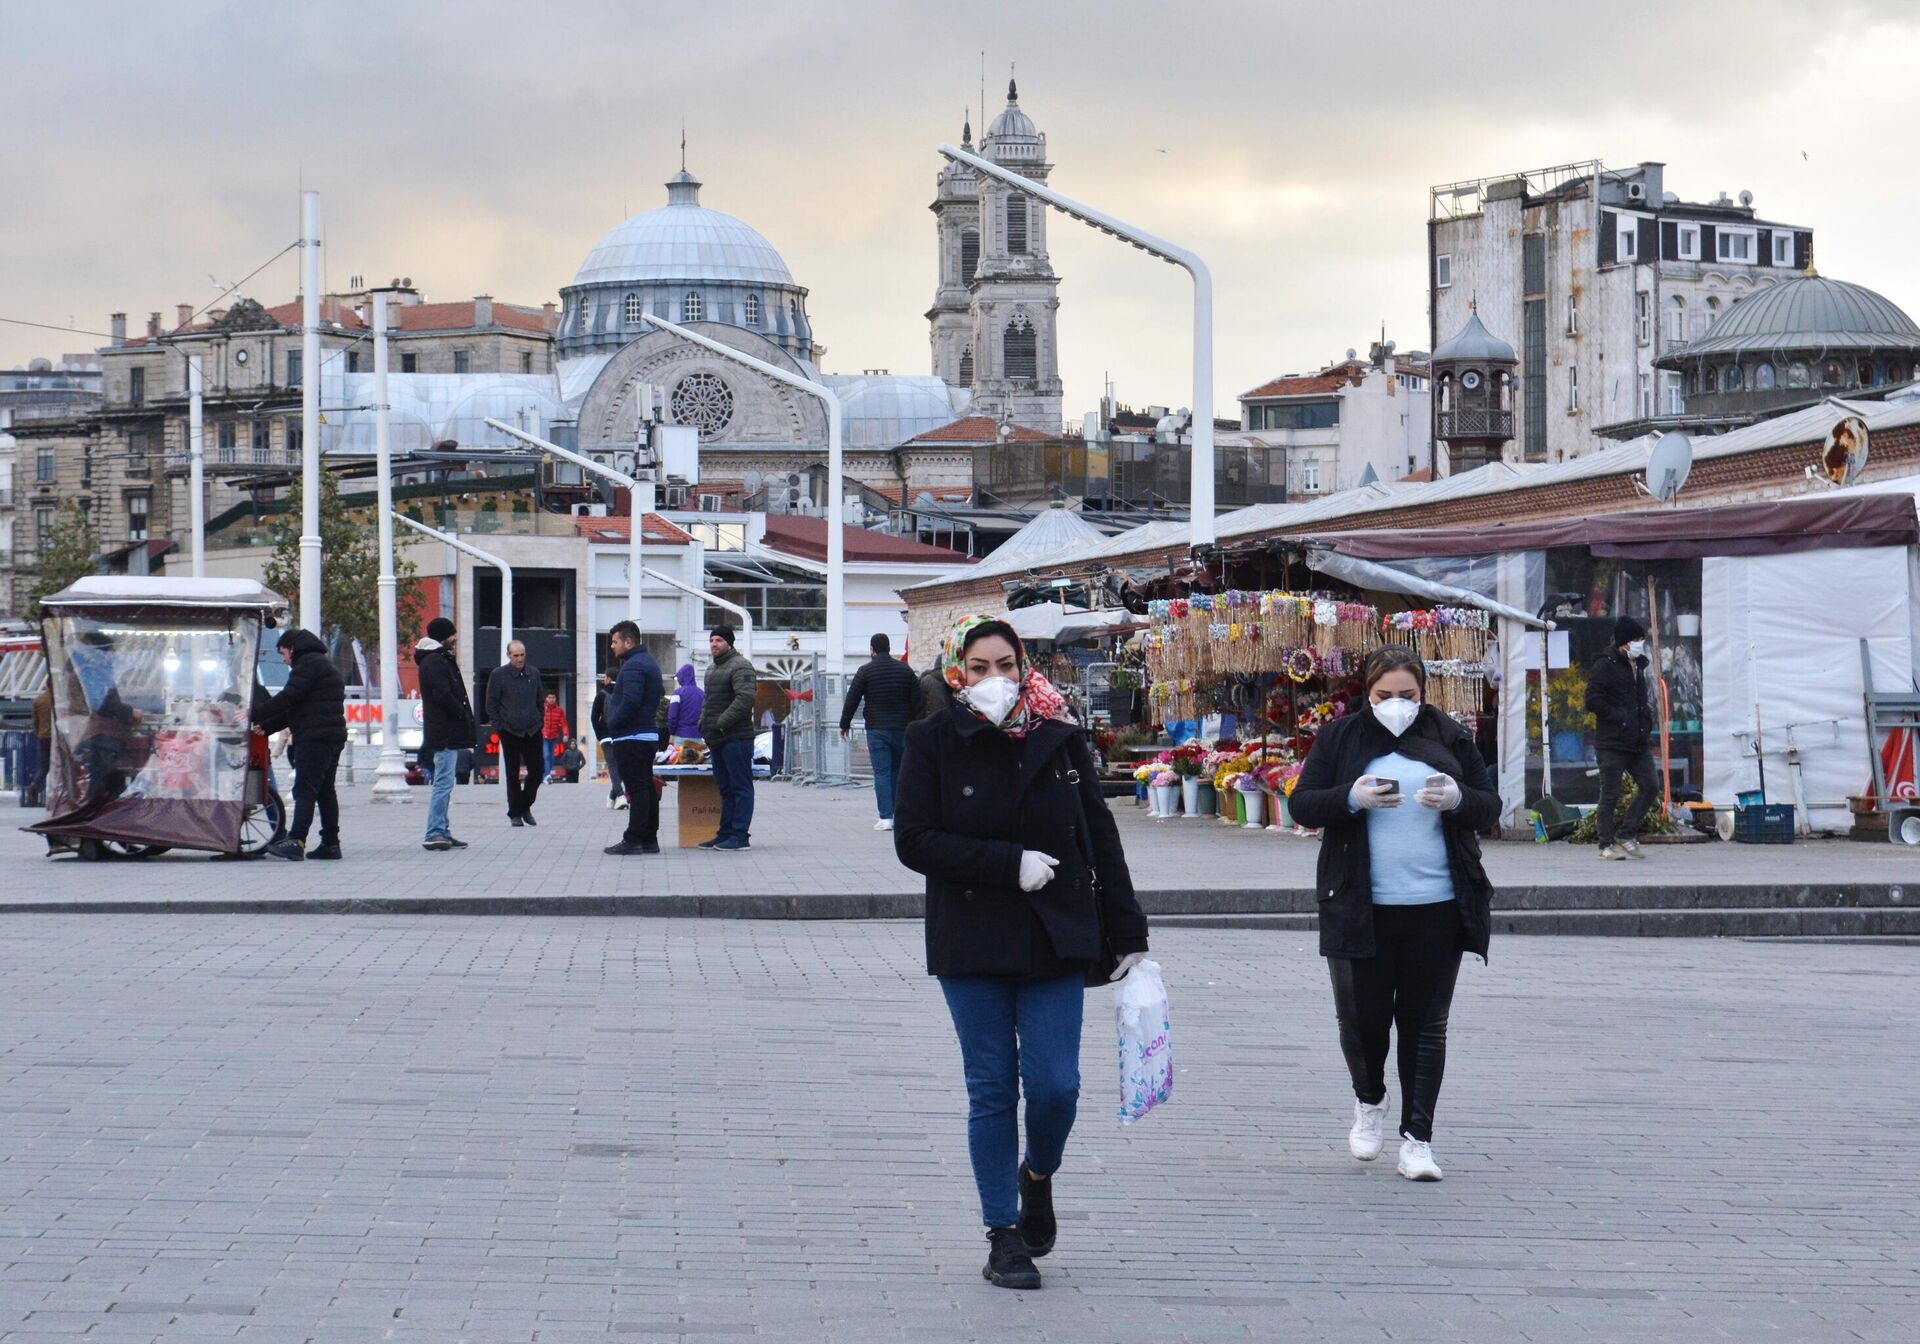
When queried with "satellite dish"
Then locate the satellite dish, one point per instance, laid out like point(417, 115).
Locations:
point(1844, 454)
point(754, 480)
point(1667, 466)
point(1746, 198)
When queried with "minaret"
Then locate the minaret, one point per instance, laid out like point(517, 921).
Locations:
point(956, 213)
point(1013, 295)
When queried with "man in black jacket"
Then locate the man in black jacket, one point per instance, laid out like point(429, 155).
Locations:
point(313, 706)
point(726, 725)
point(633, 706)
point(514, 708)
point(893, 699)
point(1618, 700)
point(448, 726)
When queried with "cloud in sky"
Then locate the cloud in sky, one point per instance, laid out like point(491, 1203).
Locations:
point(484, 147)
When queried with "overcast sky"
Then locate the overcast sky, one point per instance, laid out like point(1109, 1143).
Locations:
point(483, 147)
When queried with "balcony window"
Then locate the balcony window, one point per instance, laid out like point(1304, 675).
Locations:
point(226, 439)
point(262, 443)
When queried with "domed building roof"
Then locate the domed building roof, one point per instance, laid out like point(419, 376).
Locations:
point(1474, 343)
point(1012, 121)
point(1808, 313)
point(683, 241)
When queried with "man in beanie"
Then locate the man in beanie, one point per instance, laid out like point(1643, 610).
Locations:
point(726, 724)
point(448, 723)
point(1617, 697)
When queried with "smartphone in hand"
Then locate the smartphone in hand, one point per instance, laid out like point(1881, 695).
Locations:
point(1437, 781)
point(1389, 787)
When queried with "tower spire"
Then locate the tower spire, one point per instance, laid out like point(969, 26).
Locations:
point(683, 145)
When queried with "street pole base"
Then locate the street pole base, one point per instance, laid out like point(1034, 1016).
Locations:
point(390, 782)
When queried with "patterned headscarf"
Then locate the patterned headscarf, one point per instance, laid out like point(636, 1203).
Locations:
point(1038, 700)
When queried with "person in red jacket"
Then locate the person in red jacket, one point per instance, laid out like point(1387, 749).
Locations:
point(554, 732)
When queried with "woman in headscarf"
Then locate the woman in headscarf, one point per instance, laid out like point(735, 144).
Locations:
point(1028, 903)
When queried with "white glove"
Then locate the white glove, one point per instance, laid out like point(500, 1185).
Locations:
point(1443, 797)
point(1127, 963)
point(1036, 869)
point(1369, 792)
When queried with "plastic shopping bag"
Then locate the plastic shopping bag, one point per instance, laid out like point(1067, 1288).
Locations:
point(1146, 1041)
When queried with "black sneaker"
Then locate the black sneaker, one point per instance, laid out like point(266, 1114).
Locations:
point(1038, 1226)
point(325, 852)
point(528, 818)
point(437, 842)
point(733, 846)
point(455, 844)
point(287, 849)
point(514, 817)
point(710, 844)
point(626, 848)
point(1009, 1262)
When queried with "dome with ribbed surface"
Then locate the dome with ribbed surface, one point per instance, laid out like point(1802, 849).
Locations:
point(1475, 344)
point(683, 241)
point(1809, 313)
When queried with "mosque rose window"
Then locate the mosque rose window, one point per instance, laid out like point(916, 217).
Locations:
point(704, 402)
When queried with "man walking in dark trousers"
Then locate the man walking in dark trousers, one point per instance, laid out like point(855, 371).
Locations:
point(633, 703)
point(1623, 712)
point(313, 705)
point(447, 716)
point(726, 723)
point(893, 699)
point(514, 710)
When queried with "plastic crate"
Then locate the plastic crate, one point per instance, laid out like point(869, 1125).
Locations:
point(1764, 824)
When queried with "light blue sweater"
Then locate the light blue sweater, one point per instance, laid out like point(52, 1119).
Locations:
point(1408, 852)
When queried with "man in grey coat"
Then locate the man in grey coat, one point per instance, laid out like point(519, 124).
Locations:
point(515, 710)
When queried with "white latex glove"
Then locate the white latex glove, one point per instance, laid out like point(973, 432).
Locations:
point(1036, 869)
point(1127, 963)
point(1441, 798)
point(1369, 792)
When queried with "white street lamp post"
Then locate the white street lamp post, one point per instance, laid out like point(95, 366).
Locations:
point(197, 464)
point(390, 776)
point(310, 410)
point(1201, 497)
point(638, 492)
point(836, 481)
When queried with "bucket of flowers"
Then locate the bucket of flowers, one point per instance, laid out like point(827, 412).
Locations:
point(1166, 792)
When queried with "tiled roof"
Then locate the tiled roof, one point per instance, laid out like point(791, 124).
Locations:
point(459, 317)
point(616, 529)
point(807, 538)
point(1308, 385)
point(979, 429)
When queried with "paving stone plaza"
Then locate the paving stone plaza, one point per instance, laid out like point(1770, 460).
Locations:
point(325, 1127)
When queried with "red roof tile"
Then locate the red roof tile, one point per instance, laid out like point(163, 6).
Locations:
point(1309, 385)
point(459, 317)
point(807, 538)
point(980, 429)
point(617, 529)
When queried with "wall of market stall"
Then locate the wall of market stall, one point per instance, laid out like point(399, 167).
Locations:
point(1785, 592)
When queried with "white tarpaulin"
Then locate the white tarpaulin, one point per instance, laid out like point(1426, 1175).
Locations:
point(1786, 630)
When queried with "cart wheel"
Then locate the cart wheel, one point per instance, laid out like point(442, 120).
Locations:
point(261, 826)
point(91, 851)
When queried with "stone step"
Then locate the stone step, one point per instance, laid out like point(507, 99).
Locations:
point(1722, 922)
point(1789, 896)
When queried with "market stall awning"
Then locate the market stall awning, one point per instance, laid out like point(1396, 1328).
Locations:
point(1381, 579)
point(1777, 527)
point(1064, 625)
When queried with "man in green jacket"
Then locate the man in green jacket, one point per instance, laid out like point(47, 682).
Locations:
point(726, 724)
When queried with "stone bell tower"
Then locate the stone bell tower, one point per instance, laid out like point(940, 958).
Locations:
point(1473, 396)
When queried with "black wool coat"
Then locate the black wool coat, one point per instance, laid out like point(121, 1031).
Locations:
point(1617, 698)
point(446, 711)
point(1344, 884)
point(970, 799)
point(312, 705)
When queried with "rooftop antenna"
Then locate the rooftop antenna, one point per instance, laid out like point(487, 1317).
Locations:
point(983, 84)
point(683, 144)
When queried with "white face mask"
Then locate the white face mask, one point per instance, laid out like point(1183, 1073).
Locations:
point(993, 699)
point(1396, 715)
point(1636, 648)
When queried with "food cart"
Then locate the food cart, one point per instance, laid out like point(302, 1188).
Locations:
point(153, 749)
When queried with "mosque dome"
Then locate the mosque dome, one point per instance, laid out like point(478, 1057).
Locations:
point(683, 241)
point(1809, 313)
point(1012, 121)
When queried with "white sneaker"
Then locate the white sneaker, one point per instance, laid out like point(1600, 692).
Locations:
point(620, 803)
point(1369, 1133)
point(1416, 1161)
point(1612, 852)
point(1631, 848)
point(884, 824)
point(609, 802)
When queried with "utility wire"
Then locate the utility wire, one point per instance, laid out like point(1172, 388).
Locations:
point(83, 331)
point(48, 326)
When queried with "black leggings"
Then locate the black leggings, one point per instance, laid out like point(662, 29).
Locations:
point(1407, 983)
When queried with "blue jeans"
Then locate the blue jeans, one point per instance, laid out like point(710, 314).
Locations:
point(1016, 1033)
point(445, 762)
point(733, 776)
point(549, 748)
point(886, 746)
